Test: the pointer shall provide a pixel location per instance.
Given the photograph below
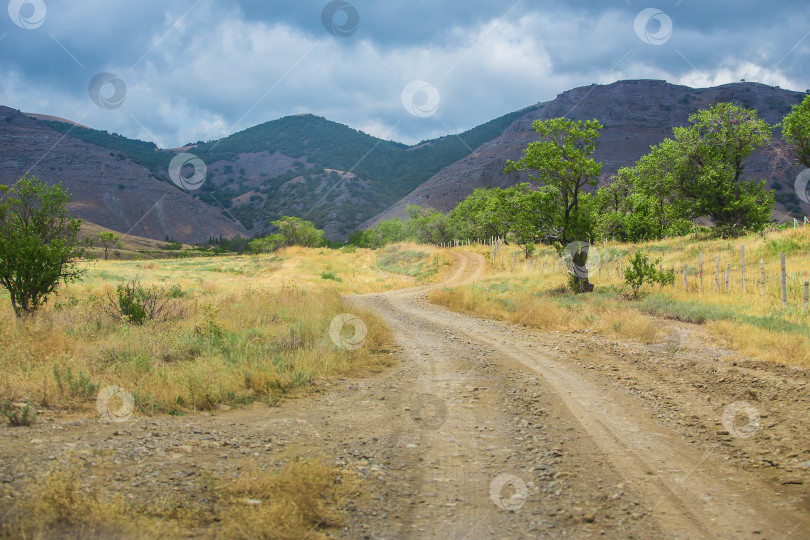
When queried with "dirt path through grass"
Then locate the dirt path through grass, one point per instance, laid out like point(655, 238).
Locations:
point(571, 441)
point(481, 429)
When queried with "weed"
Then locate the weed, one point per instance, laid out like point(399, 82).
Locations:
point(330, 275)
point(25, 416)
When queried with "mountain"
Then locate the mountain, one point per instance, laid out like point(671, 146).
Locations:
point(343, 179)
point(302, 165)
point(636, 115)
point(108, 188)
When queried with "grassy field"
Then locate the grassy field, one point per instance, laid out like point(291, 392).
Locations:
point(241, 328)
point(534, 292)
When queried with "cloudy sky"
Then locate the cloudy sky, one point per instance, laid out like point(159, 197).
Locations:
point(175, 71)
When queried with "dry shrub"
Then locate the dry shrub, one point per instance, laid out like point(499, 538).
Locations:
point(790, 350)
point(59, 506)
point(629, 324)
point(544, 315)
point(301, 500)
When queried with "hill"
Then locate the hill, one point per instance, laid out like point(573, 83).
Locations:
point(303, 165)
point(108, 188)
point(636, 115)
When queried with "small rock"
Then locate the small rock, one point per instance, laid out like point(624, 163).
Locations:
point(792, 481)
point(589, 518)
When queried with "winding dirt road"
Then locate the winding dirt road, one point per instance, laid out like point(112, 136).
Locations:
point(475, 400)
point(484, 429)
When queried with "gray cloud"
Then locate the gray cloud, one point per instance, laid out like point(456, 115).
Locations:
point(197, 70)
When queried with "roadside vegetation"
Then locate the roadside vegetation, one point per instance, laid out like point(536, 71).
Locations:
point(535, 292)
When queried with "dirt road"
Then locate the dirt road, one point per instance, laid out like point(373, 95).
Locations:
point(484, 429)
point(585, 456)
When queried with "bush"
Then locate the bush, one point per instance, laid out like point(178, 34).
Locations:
point(39, 242)
point(330, 275)
point(82, 387)
point(23, 417)
point(137, 304)
point(642, 270)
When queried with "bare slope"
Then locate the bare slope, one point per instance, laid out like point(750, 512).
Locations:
point(636, 115)
point(108, 189)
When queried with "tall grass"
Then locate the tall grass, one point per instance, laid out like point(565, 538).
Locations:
point(533, 292)
point(249, 328)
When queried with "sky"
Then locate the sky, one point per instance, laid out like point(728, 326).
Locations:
point(180, 71)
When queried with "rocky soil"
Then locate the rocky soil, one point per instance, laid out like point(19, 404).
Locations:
point(485, 429)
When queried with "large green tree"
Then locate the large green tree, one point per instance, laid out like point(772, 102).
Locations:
point(38, 242)
point(298, 232)
point(712, 154)
point(561, 160)
point(796, 132)
point(696, 173)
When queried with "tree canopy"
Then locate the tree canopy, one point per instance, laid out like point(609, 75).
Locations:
point(38, 242)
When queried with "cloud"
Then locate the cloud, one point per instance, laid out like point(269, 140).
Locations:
point(201, 69)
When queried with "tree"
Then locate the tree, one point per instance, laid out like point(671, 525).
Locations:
point(796, 132)
point(481, 215)
point(108, 240)
point(561, 160)
point(38, 242)
point(710, 156)
point(297, 232)
point(426, 225)
point(696, 173)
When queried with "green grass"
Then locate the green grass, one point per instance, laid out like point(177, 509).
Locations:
point(698, 313)
point(417, 264)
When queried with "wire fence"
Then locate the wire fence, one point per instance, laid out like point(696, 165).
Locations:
point(719, 273)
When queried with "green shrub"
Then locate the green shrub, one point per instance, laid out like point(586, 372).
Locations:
point(642, 270)
point(330, 275)
point(136, 304)
point(82, 387)
point(22, 417)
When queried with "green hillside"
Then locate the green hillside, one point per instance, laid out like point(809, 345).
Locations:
point(385, 170)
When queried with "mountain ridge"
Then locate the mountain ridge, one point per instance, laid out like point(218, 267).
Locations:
point(636, 114)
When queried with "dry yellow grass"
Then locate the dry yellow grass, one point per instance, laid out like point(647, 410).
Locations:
point(531, 292)
point(303, 498)
point(246, 328)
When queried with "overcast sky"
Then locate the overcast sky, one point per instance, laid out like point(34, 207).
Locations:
point(188, 70)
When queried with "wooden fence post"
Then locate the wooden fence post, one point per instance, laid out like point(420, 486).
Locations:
point(717, 274)
point(784, 281)
point(685, 286)
point(728, 271)
point(701, 271)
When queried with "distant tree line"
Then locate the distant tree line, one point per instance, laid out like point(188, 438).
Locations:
point(696, 173)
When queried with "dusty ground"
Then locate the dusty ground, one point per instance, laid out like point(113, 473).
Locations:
point(601, 438)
